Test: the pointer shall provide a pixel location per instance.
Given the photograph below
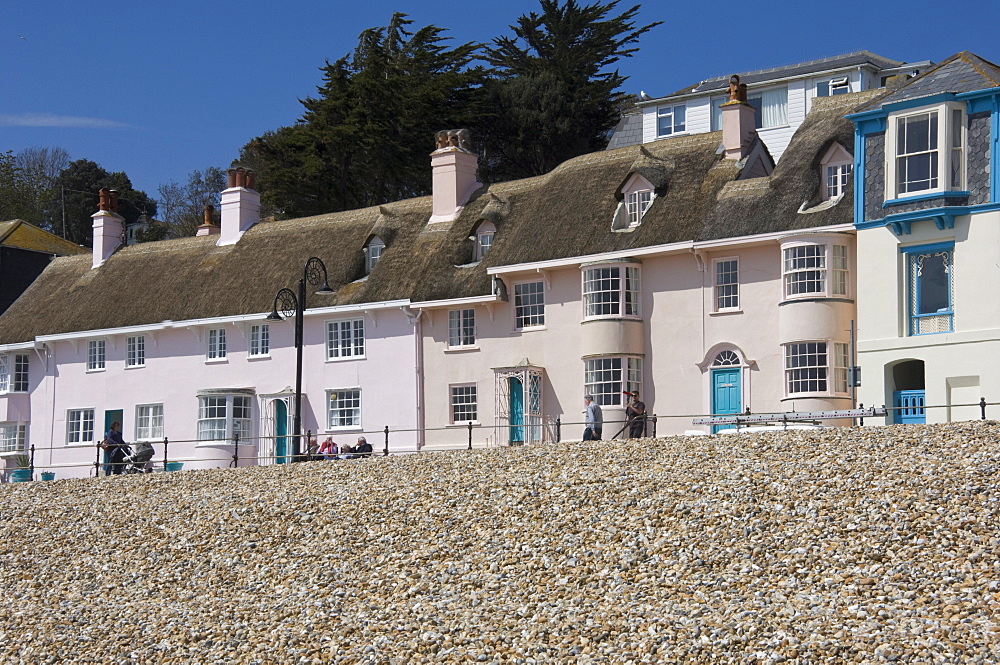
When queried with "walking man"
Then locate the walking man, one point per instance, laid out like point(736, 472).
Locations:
point(594, 419)
point(635, 414)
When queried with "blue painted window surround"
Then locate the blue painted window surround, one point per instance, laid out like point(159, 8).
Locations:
point(929, 273)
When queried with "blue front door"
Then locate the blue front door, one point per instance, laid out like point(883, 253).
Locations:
point(909, 407)
point(516, 411)
point(280, 431)
point(726, 398)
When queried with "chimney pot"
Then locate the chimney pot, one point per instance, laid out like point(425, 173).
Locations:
point(231, 178)
point(251, 179)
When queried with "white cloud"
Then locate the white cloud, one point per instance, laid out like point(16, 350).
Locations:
point(52, 120)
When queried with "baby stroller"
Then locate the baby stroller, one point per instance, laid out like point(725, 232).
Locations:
point(136, 461)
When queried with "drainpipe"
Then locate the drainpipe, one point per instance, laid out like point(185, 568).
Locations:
point(418, 365)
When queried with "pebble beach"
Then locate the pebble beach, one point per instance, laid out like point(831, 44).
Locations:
point(849, 545)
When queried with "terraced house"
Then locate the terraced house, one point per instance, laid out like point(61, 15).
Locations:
point(691, 269)
point(928, 219)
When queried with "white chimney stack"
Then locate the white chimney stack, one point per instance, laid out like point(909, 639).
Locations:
point(453, 168)
point(108, 227)
point(738, 126)
point(240, 206)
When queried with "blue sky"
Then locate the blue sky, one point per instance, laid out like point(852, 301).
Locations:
point(160, 89)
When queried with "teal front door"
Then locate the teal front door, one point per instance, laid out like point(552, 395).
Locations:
point(726, 398)
point(280, 431)
point(516, 411)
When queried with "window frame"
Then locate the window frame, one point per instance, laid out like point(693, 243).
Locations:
point(839, 85)
point(670, 112)
point(733, 287)
point(914, 320)
point(638, 195)
point(80, 430)
point(148, 412)
point(15, 373)
point(215, 345)
point(454, 406)
point(624, 299)
point(759, 108)
point(530, 315)
point(135, 351)
point(259, 340)
point(484, 235)
point(350, 347)
point(373, 253)
point(607, 389)
point(462, 328)
point(356, 418)
point(951, 116)
point(229, 418)
point(97, 355)
point(826, 378)
point(834, 272)
point(16, 442)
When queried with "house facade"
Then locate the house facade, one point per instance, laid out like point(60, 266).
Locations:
point(691, 270)
point(781, 97)
point(928, 214)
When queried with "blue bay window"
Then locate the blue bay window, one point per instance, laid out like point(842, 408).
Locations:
point(930, 270)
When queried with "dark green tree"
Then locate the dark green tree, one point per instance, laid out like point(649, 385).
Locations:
point(75, 191)
point(554, 96)
point(364, 139)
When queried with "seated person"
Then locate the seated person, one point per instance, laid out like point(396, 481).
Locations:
point(364, 449)
point(329, 449)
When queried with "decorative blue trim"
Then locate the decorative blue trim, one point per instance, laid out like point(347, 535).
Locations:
point(977, 95)
point(859, 175)
point(925, 249)
point(928, 215)
point(947, 194)
point(995, 151)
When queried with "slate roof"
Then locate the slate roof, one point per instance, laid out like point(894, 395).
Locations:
point(565, 213)
point(962, 72)
point(798, 69)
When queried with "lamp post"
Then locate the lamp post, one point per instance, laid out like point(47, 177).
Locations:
point(291, 304)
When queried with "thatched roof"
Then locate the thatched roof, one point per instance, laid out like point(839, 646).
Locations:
point(567, 212)
point(19, 233)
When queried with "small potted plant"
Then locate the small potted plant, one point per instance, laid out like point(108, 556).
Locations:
point(22, 469)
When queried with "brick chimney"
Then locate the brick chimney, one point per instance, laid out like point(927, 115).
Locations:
point(208, 226)
point(453, 167)
point(738, 128)
point(109, 226)
point(240, 206)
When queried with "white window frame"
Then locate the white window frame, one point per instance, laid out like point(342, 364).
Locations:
point(825, 274)
point(950, 151)
point(135, 351)
point(149, 422)
point(463, 400)
point(76, 427)
point(605, 377)
point(836, 172)
point(373, 252)
point(215, 345)
point(234, 410)
point(529, 315)
point(772, 109)
point(666, 118)
point(726, 283)
point(637, 196)
point(343, 409)
point(484, 239)
point(815, 367)
point(14, 373)
point(345, 339)
point(97, 356)
point(830, 87)
point(462, 328)
point(260, 341)
point(611, 291)
point(13, 437)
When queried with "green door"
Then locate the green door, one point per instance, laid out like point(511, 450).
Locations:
point(516, 411)
point(725, 393)
point(280, 431)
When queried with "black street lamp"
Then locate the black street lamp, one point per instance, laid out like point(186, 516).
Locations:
point(290, 304)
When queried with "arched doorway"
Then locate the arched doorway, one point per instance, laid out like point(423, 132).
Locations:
point(727, 380)
point(908, 399)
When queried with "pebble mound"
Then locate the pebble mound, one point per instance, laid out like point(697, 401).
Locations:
point(841, 546)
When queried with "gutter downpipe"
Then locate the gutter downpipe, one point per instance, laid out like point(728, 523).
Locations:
point(418, 365)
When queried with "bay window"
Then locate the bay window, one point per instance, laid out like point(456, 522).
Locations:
point(815, 270)
point(925, 151)
point(929, 271)
point(12, 438)
point(611, 291)
point(224, 416)
point(605, 378)
point(14, 372)
point(815, 367)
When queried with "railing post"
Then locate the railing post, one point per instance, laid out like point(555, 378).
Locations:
point(654, 425)
point(165, 453)
point(470, 435)
point(97, 464)
point(386, 441)
point(31, 463)
point(558, 429)
point(236, 449)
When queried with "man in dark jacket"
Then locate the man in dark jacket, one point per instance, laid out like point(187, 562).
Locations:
point(635, 414)
point(364, 449)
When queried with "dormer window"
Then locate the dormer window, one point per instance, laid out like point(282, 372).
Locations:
point(836, 169)
point(484, 239)
point(637, 196)
point(925, 151)
point(373, 252)
point(670, 120)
